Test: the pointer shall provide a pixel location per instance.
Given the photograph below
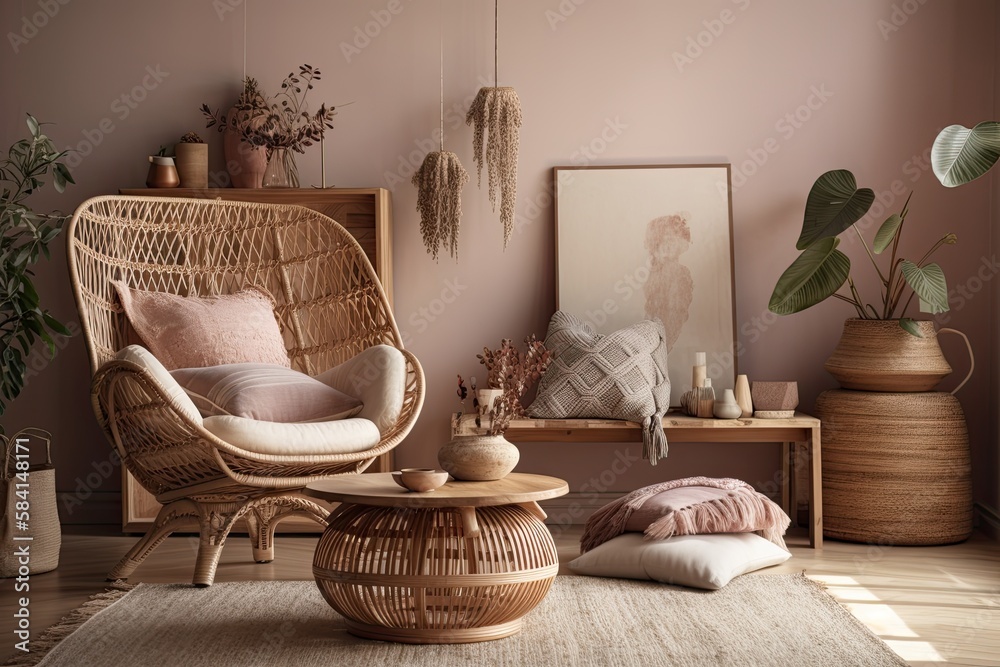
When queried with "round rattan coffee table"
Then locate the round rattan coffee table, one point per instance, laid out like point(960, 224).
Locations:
point(463, 563)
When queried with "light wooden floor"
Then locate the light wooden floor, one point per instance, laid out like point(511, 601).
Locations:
point(933, 605)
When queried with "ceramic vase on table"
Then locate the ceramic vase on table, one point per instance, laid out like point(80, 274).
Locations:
point(727, 407)
point(245, 163)
point(479, 458)
point(162, 172)
point(896, 459)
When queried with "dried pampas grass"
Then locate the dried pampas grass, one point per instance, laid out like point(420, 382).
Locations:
point(439, 183)
point(496, 115)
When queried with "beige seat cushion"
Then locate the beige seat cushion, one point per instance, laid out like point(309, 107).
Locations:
point(377, 376)
point(266, 392)
point(344, 436)
point(143, 358)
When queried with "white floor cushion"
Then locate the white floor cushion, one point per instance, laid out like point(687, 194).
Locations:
point(343, 436)
point(699, 561)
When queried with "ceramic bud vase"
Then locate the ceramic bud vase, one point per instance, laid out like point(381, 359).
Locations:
point(162, 172)
point(478, 458)
point(742, 393)
point(727, 407)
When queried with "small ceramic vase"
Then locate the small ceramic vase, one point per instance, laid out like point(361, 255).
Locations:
point(162, 173)
point(479, 458)
point(727, 407)
point(742, 393)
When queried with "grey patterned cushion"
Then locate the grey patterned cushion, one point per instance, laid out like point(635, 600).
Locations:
point(622, 375)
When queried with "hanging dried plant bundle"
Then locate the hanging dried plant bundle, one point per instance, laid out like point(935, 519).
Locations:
point(439, 183)
point(496, 118)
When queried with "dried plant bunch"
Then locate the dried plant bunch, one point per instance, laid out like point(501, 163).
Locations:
point(279, 122)
point(191, 138)
point(495, 115)
point(439, 182)
point(505, 408)
point(513, 371)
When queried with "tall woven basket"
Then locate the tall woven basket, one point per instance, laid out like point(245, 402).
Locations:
point(29, 521)
point(896, 467)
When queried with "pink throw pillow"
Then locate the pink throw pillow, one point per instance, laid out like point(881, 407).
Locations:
point(193, 332)
point(699, 510)
point(264, 392)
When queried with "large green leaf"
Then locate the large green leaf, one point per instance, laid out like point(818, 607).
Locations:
point(834, 204)
point(960, 155)
point(886, 233)
point(817, 273)
point(929, 284)
point(910, 327)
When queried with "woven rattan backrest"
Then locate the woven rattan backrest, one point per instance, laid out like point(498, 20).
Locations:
point(330, 304)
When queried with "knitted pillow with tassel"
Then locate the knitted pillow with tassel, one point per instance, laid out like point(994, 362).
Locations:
point(622, 375)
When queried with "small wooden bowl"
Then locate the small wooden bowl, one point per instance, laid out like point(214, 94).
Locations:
point(420, 479)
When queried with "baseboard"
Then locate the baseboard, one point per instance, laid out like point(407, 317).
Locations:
point(98, 508)
point(988, 520)
point(575, 508)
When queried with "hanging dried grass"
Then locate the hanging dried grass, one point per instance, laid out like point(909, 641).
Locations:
point(439, 183)
point(496, 115)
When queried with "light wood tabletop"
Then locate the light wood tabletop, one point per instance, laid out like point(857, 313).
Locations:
point(378, 489)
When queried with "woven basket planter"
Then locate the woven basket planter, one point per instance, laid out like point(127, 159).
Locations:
point(878, 355)
point(896, 468)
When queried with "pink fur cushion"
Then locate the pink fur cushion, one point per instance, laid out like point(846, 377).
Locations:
point(699, 510)
point(193, 332)
point(265, 392)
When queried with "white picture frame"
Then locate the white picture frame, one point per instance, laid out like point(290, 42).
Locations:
point(637, 242)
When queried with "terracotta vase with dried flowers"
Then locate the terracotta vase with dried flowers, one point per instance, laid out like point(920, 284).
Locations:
point(510, 374)
point(280, 126)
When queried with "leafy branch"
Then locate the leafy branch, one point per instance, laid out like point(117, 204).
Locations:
point(25, 236)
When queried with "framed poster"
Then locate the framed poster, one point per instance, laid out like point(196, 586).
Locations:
point(636, 243)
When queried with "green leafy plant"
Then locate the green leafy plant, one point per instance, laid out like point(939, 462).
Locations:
point(25, 235)
point(835, 204)
point(961, 155)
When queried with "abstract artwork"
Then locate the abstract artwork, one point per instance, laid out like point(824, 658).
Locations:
point(636, 243)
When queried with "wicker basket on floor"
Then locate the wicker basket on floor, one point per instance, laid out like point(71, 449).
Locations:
point(896, 467)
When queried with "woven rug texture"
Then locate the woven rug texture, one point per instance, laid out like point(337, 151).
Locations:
point(756, 621)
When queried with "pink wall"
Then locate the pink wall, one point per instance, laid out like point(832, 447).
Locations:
point(599, 83)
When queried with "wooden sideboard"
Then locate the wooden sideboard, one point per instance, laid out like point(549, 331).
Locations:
point(365, 212)
point(681, 428)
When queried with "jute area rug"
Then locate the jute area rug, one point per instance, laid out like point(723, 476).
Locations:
point(757, 621)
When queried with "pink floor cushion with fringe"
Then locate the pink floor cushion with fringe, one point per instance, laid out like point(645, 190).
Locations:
point(689, 506)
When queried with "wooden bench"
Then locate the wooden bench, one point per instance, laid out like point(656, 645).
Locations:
point(801, 428)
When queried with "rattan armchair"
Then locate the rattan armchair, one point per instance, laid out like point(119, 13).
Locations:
point(330, 306)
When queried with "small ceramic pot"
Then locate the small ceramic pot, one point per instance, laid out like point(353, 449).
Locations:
point(727, 407)
point(420, 480)
point(162, 173)
point(479, 458)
